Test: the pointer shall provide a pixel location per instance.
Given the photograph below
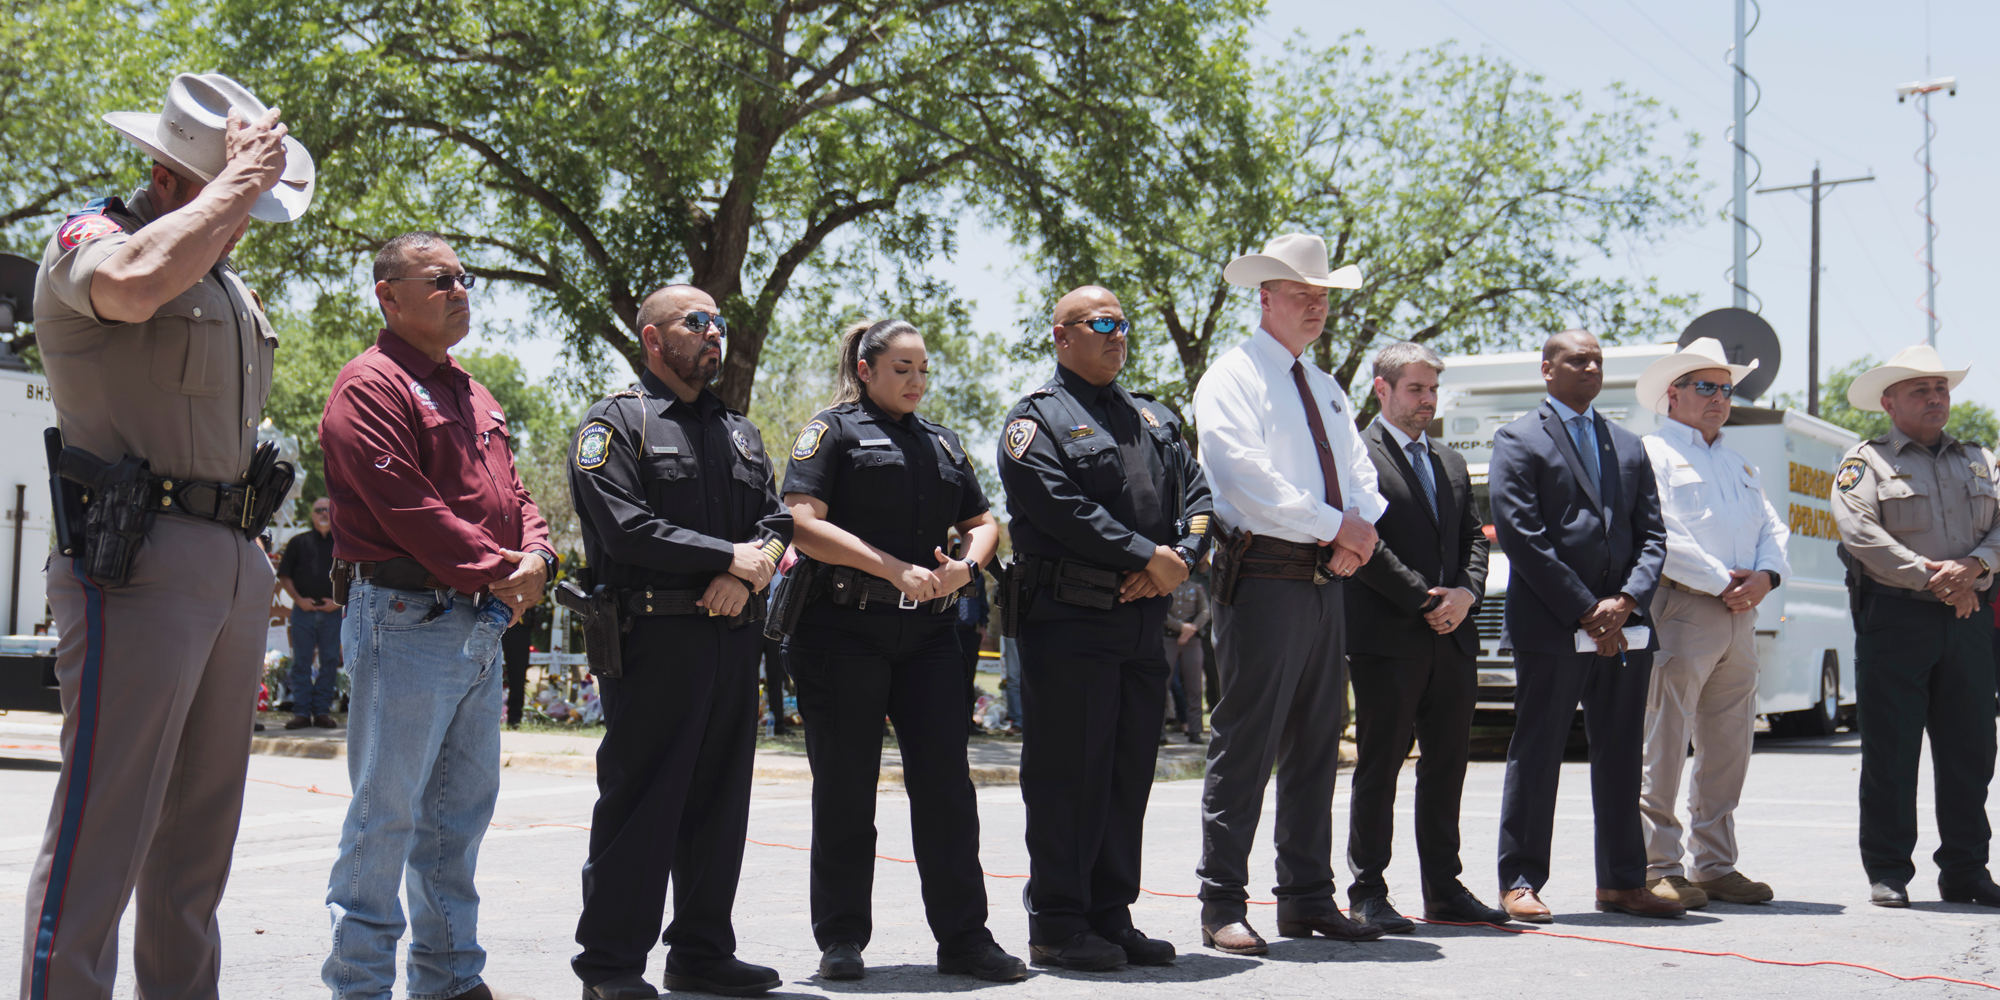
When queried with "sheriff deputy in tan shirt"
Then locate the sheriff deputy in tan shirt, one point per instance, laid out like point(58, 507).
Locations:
point(1919, 514)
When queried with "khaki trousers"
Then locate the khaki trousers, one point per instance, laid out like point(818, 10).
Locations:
point(159, 682)
point(1704, 689)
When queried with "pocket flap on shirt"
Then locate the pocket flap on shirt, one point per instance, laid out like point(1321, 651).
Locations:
point(1897, 489)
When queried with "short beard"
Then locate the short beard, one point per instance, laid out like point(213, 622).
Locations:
point(692, 371)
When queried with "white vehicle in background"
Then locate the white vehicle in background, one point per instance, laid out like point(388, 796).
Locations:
point(27, 659)
point(1805, 634)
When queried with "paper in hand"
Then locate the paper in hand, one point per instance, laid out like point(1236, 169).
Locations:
point(1636, 637)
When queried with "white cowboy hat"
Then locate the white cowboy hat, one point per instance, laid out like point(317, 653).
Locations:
point(1291, 257)
point(187, 135)
point(1865, 392)
point(1705, 352)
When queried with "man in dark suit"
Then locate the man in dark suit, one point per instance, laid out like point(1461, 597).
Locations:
point(1413, 668)
point(1576, 511)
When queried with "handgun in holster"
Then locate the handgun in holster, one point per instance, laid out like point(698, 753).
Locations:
point(603, 632)
point(116, 515)
point(1016, 593)
point(798, 588)
point(1226, 562)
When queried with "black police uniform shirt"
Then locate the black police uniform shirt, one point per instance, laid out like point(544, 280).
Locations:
point(897, 484)
point(665, 489)
point(1089, 473)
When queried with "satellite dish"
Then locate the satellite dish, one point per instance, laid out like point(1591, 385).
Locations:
point(17, 291)
point(1745, 338)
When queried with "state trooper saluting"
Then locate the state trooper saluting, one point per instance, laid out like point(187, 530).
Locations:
point(681, 527)
point(1919, 516)
point(874, 489)
point(1108, 510)
point(159, 364)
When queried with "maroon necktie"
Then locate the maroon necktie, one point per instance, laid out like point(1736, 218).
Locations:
point(1321, 447)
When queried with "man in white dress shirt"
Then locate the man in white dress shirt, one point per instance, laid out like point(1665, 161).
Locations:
point(1295, 491)
point(1725, 552)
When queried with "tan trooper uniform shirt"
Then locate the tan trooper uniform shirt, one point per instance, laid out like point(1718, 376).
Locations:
point(183, 390)
point(1897, 505)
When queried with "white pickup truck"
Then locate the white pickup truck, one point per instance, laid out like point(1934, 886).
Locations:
point(1805, 635)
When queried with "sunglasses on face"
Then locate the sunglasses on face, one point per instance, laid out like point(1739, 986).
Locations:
point(1706, 389)
point(443, 282)
point(699, 322)
point(1104, 325)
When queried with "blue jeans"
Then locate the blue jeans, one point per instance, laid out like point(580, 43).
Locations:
point(313, 631)
point(1010, 662)
point(423, 754)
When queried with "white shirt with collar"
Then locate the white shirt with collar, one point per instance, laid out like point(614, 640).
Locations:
point(1258, 451)
point(1718, 518)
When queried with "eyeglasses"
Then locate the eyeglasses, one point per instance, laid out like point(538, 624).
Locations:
point(443, 282)
point(1727, 389)
point(699, 322)
point(1104, 325)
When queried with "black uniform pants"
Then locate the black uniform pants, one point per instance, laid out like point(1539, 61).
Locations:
point(1548, 687)
point(514, 651)
point(1398, 700)
point(673, 783)
point(852, 667)
point(1918, 669)
point(1094, 685)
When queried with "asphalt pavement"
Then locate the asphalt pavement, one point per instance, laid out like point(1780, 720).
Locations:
point(1797, 829)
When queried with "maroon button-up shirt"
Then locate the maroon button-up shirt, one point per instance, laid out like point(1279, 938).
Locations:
point(417, 465)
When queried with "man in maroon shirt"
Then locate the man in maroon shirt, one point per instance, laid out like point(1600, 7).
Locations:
point(445, 550)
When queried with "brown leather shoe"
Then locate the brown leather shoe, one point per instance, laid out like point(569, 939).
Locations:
point(1335, 925)
point(1522, 904)
point(1234, 939)
point(325, 721)
point(1638, 902)
point(299, 722)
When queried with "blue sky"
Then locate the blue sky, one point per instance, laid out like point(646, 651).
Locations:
point(1828, 69)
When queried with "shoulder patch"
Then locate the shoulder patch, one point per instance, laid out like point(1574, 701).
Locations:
point(83, 229)
point(593, 445)
point(1019, 435)
point(1849, 474)
point(807, 443)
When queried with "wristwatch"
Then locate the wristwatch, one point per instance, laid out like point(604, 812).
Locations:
point(1985, 568)
point(1187, 555)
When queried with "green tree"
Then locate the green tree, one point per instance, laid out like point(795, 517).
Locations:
point(1969, 421)
point(1471, 196)
point(590, 150)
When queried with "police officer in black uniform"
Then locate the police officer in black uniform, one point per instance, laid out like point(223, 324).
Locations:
point(682, 524)
point(875, 490)
point(1108, 510)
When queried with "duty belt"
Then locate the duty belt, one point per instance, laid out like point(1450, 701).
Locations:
point(231, 504)
point(658, 603)
point(857, 589)
point(1269, 558)
point(1073, 581)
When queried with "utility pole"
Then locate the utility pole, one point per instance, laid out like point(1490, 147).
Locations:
point(1812, 309)
point(1739, 279)
point(1923, 89)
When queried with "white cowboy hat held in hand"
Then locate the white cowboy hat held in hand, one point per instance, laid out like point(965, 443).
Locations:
point(1703, 354)
point(1291, 257)
point(187, 135)
point(1865, 392)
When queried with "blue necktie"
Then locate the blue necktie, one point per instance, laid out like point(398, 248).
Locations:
point(1421, 461)
point(1585, 451)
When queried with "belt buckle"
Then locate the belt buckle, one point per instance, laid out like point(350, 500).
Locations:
point(249, 502)
point(1321, 575)
point(906, 602)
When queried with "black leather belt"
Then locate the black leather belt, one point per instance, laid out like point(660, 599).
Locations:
point(231, 504)
point(404, 573)
point(856, 589)
point(1269, 558)
point(1073, 581)
point(659, 603)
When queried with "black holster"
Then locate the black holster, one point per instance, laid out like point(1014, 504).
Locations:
point(798, 588)
point(603, 631)
point(1015, 593)
point(116, 514)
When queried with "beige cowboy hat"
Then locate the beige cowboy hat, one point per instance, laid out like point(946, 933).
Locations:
point(1703, 353)
point(187, 136)
point(1291, 257)
point(1865, 392)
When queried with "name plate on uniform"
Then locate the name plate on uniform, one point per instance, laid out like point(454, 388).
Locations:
point(871, 442)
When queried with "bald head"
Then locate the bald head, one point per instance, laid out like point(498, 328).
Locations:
point(1097, 357)
point(684, 358)
point(1568, 340)
point(1083, 303)
point(671, 301)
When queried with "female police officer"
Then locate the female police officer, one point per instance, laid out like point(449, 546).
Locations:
point(874, 489)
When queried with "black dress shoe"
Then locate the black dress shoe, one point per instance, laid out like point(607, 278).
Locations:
point(983, 959)
point(627, 987)
point(725, 977)
point(1464, 908)
point(299, 722)
point(1888, 893)
point(1140, 949)
point(1333, 924)
point(842, 960)
point(1979, 890)
point(1083, 951)
point(1376, 909)
point(324, 721)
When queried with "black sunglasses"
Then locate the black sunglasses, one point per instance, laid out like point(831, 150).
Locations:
point(1727, 389)
point(443, 282)
point(699, 322)
point(1104, 325)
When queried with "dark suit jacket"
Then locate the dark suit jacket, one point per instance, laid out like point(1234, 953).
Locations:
point(1419, 550)
point(1570, 547)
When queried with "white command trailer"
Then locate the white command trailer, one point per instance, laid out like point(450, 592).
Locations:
point(27, 659)
point(1805, 634)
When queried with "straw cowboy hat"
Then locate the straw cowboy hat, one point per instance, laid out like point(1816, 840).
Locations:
point(1291, 257)
point(187, 136)
point(1704, 353)
point(1865, 392)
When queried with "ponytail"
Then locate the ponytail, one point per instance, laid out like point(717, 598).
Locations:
point(864, 341)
